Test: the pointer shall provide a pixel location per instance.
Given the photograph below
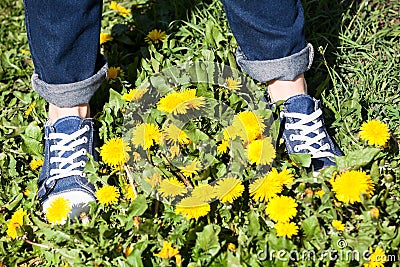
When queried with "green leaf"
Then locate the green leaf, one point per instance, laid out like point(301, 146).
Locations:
point(254, 225)
point(138, 206)
point(208, 239)
point(299, 159)
point(310, 227)
point(32, 146)
point(357, 158)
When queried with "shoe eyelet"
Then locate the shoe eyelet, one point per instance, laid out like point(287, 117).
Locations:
point(296, 149)
point(85, 139)
point(83, 163)
point(87, 127)
point(83, 151)
point(291, 137)
point(83, 175)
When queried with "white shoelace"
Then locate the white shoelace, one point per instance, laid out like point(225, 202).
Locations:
point(307, 129)
point(67, 142)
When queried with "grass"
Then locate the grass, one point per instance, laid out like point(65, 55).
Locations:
point(355, 74)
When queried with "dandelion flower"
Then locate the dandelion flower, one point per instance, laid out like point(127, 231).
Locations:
point(107, 194)
point(154, 180)
point(374, 132)
point(167, 251)
point(261, 151)
point(248, 125)
point(281, 208)
point(58, 210)
point(30, 108)
point(113, 72)
point(229, 189)
point(105, 37)
point(130, 193)
point(349, 185)
point(174, 150)
point(231, 247)
point(192, 208)
point(180, 102)
point(191, 168)
point(171, 187)
point(223, 147)
point(204, 192)
point(25, 52)
point(286, 229)
point(155, 36)
point(122, 10)
point(338, 225)
point(263, 189)
point(35, 164)
point(134, 95)
point(232, 84)
point(178, 260)
point(374, 212)
point(16, 221)
point(174, 134)
point(319, 193)
point(146, 135)
point(115, 152)
point(377, 258)
point(285, 177)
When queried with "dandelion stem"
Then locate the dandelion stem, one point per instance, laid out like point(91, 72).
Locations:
point(183, 178)
point(130, 177)
point(35, 244)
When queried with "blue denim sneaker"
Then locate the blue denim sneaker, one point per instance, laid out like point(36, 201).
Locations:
point(66, 143)
point(305, 131)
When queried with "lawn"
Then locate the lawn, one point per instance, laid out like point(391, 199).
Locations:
point(149, 214)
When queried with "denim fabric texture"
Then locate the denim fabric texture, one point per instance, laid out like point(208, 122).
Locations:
point(305, 104)
point(271, 38)
point(66, 125)
point(64, 39)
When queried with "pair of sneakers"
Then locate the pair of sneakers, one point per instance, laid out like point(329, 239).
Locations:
point(69, 139)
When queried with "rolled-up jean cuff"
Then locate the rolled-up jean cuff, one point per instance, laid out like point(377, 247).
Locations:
point(70, 94)
point(287, 68)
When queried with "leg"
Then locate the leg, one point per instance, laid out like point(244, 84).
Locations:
point(64, 42)
point(272, 48)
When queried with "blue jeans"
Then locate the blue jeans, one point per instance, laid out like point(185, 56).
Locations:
point(64, 42)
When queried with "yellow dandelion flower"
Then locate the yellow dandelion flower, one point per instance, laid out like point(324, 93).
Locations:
point(374, 132)
point(130, 193)
point(35, 164)
point(30, 108)
point(146, 135)
point(134, 94)
point(107, 194)
point(374, 212)
point(115, 152)
point(16, 221)
point(192, 208)
point(338, 225)
point(58, 210)
point(171, 187)
point(174, 150)
point(377, 258)
point(286, 229)
point(174, 134)
point(223, 147)
point(229, 189)
point(178, 260)
point(285, 177)
point(155, 36)
point(180, 102)
point(204, 192)
point(319, 193)
point(113, 72)
point(248, 125)
point(167, 251)
point(349, 185)
point(232, 84)
point(136, 156)
point(25, 52)
point(154, 180)
point(261, 151)
point(231, 247)
point(263, 189)
point(281, 208)
point(191, 168)
point(105, 37)
point(121, 10)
